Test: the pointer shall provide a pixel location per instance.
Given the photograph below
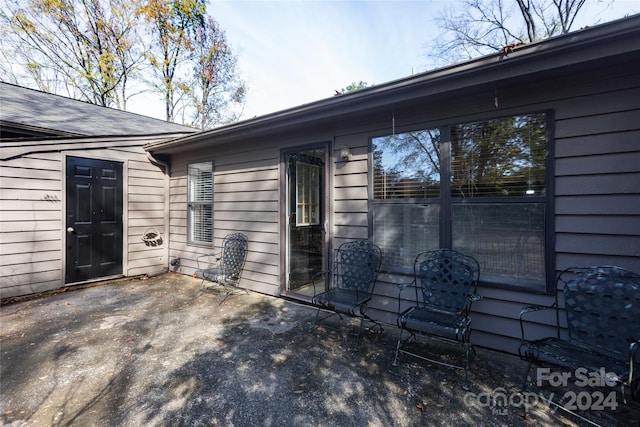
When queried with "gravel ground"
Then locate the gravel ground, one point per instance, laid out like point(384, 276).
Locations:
point(157, 352)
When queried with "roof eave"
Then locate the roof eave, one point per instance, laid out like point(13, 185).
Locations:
point(12, 149)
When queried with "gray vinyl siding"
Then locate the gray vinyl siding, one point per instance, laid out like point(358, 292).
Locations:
point(597, 190)
point(586, 81)
point(597, 195)
point(246, 199)
point(30, 224)
point(350, 190)
point(145, 196)
point(32, 214)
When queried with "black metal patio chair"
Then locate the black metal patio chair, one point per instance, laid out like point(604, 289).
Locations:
point(224, 267)
point(353, 277)
point(445, 284)
point(601, 305)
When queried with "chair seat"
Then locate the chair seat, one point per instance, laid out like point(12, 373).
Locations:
point(435, 322)
point(353, 277)
point(445, 283)
point(568, 355)
point(344, 301)
point(212, 273)
point(209, 272)
point(217, 275)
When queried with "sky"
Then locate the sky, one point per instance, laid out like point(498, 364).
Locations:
point(291, 53)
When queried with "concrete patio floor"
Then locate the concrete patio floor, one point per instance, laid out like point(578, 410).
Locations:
point(156, 352)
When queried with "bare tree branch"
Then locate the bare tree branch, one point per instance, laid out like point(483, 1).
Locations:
point(479, 27)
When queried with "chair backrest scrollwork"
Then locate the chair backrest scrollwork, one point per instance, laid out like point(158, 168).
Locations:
point(356, 266)
point(602, 305)
point(234, 252)
point(447, 279)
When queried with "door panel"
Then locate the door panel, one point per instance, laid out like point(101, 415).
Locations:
point(306, 238)
point(93, 219)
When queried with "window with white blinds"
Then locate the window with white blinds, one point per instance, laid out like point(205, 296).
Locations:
point(200, 202)
point(478, 187)
point(406, 195)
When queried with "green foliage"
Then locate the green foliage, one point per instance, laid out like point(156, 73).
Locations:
point(96, 50)
point(493, 158)
point(354, 87)
point(172, 25)
point(83, 48)
point(216, 87)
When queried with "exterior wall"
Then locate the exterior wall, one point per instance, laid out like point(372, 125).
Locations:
point(145, 197)
point(246, 199)
point(596, 187)
point(32, 224)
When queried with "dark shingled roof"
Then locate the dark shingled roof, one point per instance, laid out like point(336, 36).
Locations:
point(28, 112)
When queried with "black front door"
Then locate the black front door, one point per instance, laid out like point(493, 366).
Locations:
point(93, 219)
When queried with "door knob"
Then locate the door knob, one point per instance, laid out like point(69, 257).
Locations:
point(70, 230)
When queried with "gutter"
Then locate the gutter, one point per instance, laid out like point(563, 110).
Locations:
point(596, 43)
point(15, 148)
point(166, 167)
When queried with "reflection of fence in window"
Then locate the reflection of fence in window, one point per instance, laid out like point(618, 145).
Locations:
point(506, 253)
point(507, 239)
point(404, 230)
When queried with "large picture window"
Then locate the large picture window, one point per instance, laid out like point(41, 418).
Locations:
point(200, 203)
point(479, 188)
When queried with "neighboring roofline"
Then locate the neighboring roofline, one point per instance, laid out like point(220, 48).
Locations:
point(593, 43)
point(36, 129)
point(92, 105)
point(46, 138)
point(14, 148)
point(31, 113)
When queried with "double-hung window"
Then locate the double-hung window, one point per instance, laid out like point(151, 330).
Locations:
point(200, 203)
point(480, 188)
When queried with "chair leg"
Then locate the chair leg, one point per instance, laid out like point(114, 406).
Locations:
point(363, 317)
point(526, 377)
point(467, 352)
point(395, 359)
point(357, 340)
point(320, 319)
point(226, 295)
point(227, 291)
point(376, 324)
point(335, 313)
point(315, 322)
point(203, 286)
